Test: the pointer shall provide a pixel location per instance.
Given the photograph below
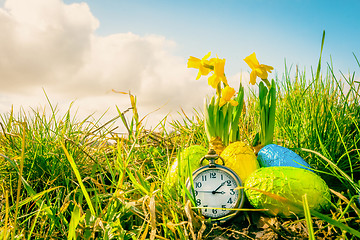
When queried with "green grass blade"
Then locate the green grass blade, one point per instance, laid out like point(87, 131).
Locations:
point(313, 213)
point(342, 141)
point(35, 221)
point(319, 63)
point(74, 221)
point(309, 222)
point(78, 177)
point(336, 223)
point(136, 183)
point(334, 166)
point(33, 194)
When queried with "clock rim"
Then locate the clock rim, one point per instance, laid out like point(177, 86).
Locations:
point(232, 173)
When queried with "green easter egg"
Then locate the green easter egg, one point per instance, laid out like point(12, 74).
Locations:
point(180, 167)
point(275, 188)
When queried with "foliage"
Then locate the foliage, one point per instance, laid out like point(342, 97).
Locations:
point(82, 180)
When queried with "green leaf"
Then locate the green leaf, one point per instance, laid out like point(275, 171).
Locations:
point(271, 114)
point(227, 124)
point(210, 117)
point(262, 93)
point(236, 115)
point(222, 122)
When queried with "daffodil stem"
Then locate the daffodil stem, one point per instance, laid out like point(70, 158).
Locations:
point(211, 67)
point(223, 122)
point(267, 83)
point(218, 90)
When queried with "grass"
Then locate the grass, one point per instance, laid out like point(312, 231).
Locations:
point(62, 178)
point(318, 114)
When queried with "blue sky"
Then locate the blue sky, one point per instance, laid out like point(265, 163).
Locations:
point(79, 51)
point(276, 30)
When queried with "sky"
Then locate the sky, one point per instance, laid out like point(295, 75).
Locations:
point(77, 52)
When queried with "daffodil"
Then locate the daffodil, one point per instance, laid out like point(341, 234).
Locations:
point(227, 93)
point(219, 75)
point(222, 113)
point(203, 65)
point(258, 70)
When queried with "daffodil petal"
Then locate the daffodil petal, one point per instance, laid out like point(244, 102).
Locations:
point(261, 73)
point(228, 93)
point(206, 56)
point(258, 70)
point(194, 62)
point(213, 81)
point(267, 68)
point(224, 80)
point(234, 103)
point(219, 67)
point(253, 77)
point(204, 71)
point(222, 102)
point(252, 61)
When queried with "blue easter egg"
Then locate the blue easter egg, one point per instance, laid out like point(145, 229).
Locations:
point(273, 155)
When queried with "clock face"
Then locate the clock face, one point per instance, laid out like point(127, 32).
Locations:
point(215, 192)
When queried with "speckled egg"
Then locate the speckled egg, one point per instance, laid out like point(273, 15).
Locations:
point(277, 188)
point(273, 155)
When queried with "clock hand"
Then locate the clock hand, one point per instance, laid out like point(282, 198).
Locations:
point(209, 191)
point(215, 191)
point(222, 192)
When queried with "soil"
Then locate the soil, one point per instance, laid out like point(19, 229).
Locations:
point(256, 225)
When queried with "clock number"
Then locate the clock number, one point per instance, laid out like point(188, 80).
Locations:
point(212, 175)
point(198, 202)
point(198, 185)
point(221, 177)
point(214, 211)
point(230, 201)
point(223, 206)
point(205, 208)
point(228, 183)
point(232, 192)
point(203, 178)
point(196, 193)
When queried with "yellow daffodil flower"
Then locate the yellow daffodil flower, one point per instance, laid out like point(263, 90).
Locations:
point(219, 75)
point(227, 94)
point(203, 65)
point(258, 70)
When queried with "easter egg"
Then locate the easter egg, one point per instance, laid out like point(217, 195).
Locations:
point(187, 161)
point(240, 157)
point(274, 155)
point(281, 189)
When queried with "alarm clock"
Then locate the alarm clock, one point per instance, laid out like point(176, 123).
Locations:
point(216, 189)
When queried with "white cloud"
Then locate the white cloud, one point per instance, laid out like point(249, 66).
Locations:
point(49, 45)
point(45, 41)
